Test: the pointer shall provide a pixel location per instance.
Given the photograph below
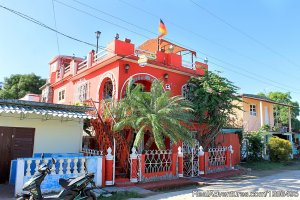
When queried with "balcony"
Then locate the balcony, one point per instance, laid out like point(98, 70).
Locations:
point(170, 56)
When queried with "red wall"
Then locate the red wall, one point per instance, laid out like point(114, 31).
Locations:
point(231, 139)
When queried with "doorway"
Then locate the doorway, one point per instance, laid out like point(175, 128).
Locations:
point(15, 142)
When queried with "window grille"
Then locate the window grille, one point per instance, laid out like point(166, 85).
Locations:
point(82, 90)
point(108, 90)
point(185, 91)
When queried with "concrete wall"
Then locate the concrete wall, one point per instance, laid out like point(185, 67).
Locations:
point(51, 136)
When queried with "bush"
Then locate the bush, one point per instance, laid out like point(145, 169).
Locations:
point(279, 149)
point(256, 146)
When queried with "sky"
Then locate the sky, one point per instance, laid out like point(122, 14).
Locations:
point(254, 44)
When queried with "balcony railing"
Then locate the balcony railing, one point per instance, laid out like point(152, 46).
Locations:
point(82, 65)
point(100, 55)
point(188, 64)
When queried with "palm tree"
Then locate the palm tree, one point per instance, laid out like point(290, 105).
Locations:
point(154, 112)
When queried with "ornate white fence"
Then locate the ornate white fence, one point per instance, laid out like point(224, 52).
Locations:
point(217, 156)
point(190, 159)
point(158, 161)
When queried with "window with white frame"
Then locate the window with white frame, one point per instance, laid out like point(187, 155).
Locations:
point(253, 109)
point(82, 91)
point(62, 94)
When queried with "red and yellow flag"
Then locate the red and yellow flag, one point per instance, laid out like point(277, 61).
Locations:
point(162, 29)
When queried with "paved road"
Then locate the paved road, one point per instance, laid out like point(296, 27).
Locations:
point(285, 180)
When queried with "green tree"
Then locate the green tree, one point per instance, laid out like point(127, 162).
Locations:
point(281, 112)
point(154, 112)
point(214, 101)
point(18, 85)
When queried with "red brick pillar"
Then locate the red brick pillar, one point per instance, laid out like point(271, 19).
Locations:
point(133, 166)
point(180, 162)
point(201, 160)
point(109, 159)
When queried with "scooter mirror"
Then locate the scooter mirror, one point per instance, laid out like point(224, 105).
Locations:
point(85, 167)
point(43, 156)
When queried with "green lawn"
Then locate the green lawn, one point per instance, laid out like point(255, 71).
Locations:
point(269, 165)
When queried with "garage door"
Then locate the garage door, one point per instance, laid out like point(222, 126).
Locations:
point(15, 143)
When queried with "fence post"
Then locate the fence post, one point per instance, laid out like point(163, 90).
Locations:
point(174, 163)
point(229, 157)
point(201, 160)
point(109, 167)
point(134, 166)
point(180, 162)
point(206, 162)
point(19, 176)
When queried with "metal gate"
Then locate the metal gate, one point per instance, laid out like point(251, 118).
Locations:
point(190, 159)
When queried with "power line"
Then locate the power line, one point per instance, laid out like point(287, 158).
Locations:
point(48, 27)
point(245, 34)
point(108, 14)
point(70, 37)
point(55, 27)
point(207, 39)
point(253, 78)
point(227, 48)
point(82, 11)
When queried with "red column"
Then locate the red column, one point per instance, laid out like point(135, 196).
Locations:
point(180, 162)
point(201, 160)
point(174, 161)
point(109, 167)
point(142, 165)
point(134, 166)
point(206, 156)
point(103, 171)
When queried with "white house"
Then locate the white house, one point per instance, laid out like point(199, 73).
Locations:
point(28, 128)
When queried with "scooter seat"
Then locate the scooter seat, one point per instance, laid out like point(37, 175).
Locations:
point(65, 182)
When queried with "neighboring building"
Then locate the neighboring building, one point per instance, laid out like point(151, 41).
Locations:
point(1, 85)
point(31, 97)
point(255, 112)
point(28, 128)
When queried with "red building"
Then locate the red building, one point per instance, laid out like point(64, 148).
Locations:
point(104, 76)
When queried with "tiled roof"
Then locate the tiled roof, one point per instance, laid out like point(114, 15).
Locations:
point(40, 108)
point(253, 96)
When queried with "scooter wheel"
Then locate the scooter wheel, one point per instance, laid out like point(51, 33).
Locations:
point(23, 198)
point(91, 195)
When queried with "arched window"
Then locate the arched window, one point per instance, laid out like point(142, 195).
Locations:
point(108, 89)
point(185, 91)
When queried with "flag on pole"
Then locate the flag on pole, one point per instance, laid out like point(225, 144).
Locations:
point(162, 29)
